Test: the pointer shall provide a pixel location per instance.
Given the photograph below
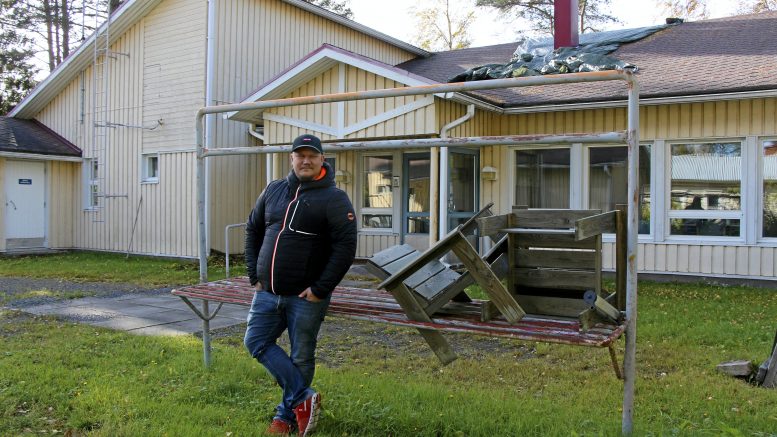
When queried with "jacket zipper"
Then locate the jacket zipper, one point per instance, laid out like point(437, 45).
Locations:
point(278, 238)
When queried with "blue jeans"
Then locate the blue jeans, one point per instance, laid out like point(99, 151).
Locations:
point(270, 315)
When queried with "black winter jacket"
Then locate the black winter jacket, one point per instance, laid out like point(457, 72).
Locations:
point(299, 235)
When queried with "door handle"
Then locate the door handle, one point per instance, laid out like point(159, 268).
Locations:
point(12, 204)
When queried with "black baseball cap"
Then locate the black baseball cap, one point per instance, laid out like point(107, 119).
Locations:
point(307, 140)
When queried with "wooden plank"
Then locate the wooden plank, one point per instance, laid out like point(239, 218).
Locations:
point(564, 259)
point(391, 254)
point(469, 226)
point(454, 291)
point(601, 306)
point(399, 264)
point(595, 225)
point(435, 252)
point(488, 226)
point(424, 274)
point(485, 278)
point(436, 284)
point(566, 241)
point(554, 278)
point(550, 218)
point(552, 306)
point(436, 341)
point(620, 257)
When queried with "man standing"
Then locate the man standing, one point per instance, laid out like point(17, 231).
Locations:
point(300, 242)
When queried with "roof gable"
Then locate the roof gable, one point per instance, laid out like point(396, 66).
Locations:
point(311, 66)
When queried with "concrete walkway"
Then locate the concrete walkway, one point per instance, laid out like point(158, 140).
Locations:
point(156, 314)
point(161, 314)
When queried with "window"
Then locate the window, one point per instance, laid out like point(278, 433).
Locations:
point(706, 189)
point(608, 180)
point(150, 168)
point(90, 169)
point(542, 178)
point(769, 150)
point(416, 194)
point(377, 192)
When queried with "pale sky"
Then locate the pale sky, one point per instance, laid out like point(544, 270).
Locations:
point(395, 18)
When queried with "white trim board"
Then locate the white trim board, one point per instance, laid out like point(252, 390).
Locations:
point(341, 131)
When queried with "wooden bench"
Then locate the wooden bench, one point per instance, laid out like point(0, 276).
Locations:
point(379, 306)
point(528, 308)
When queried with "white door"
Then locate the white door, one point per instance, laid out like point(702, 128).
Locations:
point(25, 202)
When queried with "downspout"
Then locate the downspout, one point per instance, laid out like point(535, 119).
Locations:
point(210, 127)
point(443, 188)
point(202, 164)
point(268, 158)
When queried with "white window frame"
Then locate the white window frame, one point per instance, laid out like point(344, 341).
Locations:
point(586, 180)
point(396, 193)
point(90, 201)
point(574, 175)
point(145, 160)
point(741, 215)
point(759, 189)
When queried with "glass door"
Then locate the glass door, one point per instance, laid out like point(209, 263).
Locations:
point(415, 195)
point(463, 185)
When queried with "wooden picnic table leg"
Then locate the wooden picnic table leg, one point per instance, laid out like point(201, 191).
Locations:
point(491, 284)
point(413, 310)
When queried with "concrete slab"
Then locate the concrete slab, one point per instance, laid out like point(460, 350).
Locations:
point(171, 330)
point(196, 324)
point(146, 310)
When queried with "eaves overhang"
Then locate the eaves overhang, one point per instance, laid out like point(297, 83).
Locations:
point(122, 19)
point(329, 15)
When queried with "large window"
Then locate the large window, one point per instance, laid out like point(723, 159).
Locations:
point(542, 178)
point(608, 173)
point(377, 192)
point(769, 149)
point(706, 189)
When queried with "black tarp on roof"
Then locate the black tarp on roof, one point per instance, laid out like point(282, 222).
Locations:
point(536, 56)
point(31, 136)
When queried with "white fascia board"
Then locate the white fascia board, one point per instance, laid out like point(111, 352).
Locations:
point(39, 157)
point(329, 15)
point(314, 65)
point(129, 13)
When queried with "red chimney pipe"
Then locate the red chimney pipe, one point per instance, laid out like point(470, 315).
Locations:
point(565, 24)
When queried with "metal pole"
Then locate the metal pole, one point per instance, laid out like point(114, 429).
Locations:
point(629, 359)
point(202, 236)
point(206, 333)
point(617, 137)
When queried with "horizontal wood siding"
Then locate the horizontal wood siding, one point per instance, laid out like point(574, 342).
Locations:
point(256, 40)
point(692, 121)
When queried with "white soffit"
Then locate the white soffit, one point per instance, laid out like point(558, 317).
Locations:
point(312, 66)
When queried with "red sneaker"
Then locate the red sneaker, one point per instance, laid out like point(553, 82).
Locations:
point(307, 415)
point(279, 427)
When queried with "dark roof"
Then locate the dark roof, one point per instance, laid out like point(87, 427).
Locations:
point(724, 55)
point(31, 136)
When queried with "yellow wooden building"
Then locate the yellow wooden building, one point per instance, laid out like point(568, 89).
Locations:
point(707, 118)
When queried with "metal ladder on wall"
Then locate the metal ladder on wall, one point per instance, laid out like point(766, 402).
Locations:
point(101, 125)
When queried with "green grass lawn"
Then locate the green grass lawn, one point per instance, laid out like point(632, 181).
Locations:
point(113, 267)
point(62, 378)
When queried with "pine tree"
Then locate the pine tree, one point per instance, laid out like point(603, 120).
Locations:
point(16, 69)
